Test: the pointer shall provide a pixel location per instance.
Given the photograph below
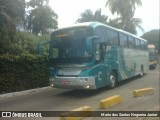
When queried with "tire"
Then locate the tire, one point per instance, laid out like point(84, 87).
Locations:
point(112, 80)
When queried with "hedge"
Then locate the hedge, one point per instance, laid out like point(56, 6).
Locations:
point(22, 72)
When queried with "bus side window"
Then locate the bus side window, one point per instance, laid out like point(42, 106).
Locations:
point(138, 44)
point(146, 46)
point(143, 45)
point(113, 36)
point(101, 33)
point(123, 40)
point(131, 42)
point(55, 52)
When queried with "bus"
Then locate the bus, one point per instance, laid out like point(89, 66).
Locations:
point(152, 56)
point(93, 55)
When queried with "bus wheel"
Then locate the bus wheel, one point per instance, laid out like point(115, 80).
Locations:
point(142, 71)
point(112, 79)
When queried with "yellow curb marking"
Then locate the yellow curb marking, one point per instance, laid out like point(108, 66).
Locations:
point(76, 114)
point(110, 101)
point(142, 92)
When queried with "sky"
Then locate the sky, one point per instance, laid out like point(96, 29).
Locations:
point(69, 11)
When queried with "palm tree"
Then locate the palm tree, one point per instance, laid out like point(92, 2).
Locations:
point(89, 16)
point(132, 24)
point(126, 9)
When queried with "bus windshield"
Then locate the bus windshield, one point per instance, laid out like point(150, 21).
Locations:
point(70, 46)
point(152, 54)
point(151, 50)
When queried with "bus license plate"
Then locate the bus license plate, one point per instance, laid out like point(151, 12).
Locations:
point(65, 82)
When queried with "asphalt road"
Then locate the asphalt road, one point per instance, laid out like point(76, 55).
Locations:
point(64, 100)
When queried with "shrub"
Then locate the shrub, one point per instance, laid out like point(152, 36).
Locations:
point(22, 72)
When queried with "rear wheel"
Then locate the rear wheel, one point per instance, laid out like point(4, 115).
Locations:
point(112, 79)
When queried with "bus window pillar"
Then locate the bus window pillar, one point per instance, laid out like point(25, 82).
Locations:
point(97, 54)
point(100, 52)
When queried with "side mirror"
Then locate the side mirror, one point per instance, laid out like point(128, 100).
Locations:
point(89, 43)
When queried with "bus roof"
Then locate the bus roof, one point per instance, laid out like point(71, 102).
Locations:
point(96, 24)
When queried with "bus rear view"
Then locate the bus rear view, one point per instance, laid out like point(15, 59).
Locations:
point(152, 56)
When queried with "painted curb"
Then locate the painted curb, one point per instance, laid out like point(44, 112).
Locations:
point(76, 114)
point(24, 92)
point(110, 101)
point(142, 92)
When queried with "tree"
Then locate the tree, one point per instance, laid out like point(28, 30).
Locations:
point(153, 38)
point(89, 16)
point(41, 18)
point(126, 9)
point(12, 14)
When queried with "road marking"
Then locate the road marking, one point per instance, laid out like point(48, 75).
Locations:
point(110, 101)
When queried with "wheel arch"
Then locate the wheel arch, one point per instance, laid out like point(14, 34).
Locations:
point(116, 73)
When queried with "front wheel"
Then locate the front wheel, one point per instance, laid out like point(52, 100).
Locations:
point(112, 79)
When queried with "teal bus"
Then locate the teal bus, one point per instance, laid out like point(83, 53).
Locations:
point(153, 59)
point(93, 55)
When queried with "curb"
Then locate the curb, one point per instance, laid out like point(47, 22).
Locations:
point(23, 92)
point(110, 101)
point(142, 92)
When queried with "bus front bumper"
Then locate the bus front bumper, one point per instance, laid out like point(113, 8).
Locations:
point(73, 82)
point(152, 62)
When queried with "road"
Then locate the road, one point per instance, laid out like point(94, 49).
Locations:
point(64, 100)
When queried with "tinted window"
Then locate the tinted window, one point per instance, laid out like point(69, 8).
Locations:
point(146, 46)
point(131, 42)
point(100, 31)
point(138, 44)
point(143, 46)
point(113, 36)
point(123, 40)
point(70, 42)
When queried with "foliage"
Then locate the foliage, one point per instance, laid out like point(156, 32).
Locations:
point(11, 16)
point(22, 72)
point(12, 13)
point(8, 43)
point(28, 42)
point(22, 42)
point(153, 37)
point(41, 18)
point(89, 16)
point(125, 9)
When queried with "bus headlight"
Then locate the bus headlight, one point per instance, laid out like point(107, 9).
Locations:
point(86, 79)
point(51, 79)
point(83, 79)
point(86, 87)
point(51, 82)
